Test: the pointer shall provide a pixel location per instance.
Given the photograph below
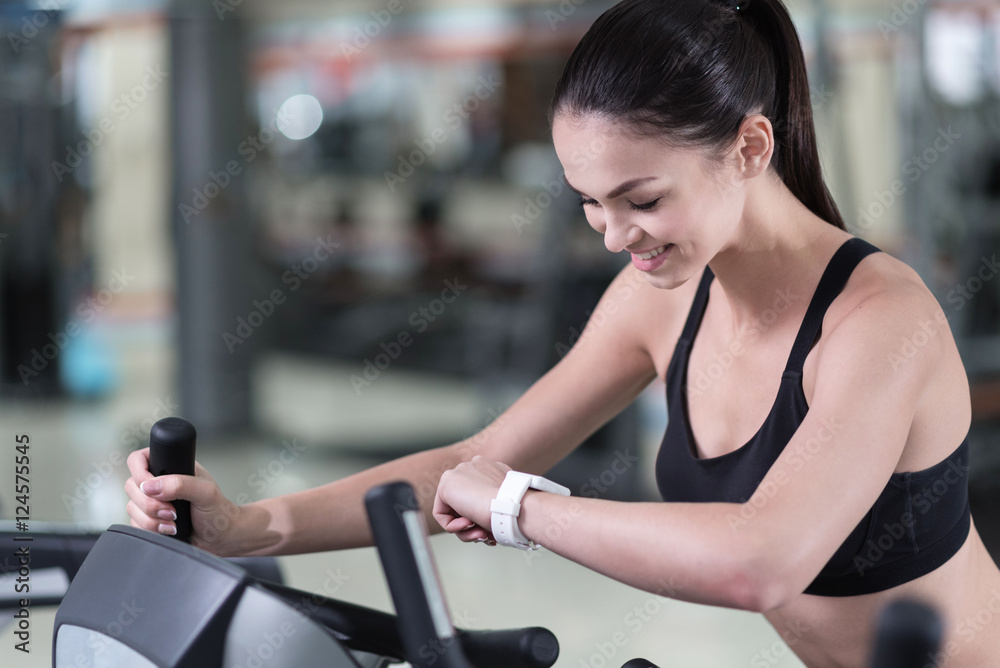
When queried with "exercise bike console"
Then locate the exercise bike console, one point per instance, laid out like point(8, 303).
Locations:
point(146, 600)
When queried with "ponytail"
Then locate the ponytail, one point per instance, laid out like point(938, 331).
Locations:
point(797, 154)
point(691, 70)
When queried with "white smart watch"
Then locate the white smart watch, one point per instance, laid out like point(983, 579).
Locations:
point(507, 506)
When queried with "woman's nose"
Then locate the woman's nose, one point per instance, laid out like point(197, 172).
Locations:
point(619, 234)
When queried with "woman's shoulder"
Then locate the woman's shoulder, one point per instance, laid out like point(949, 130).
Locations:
point(884, 280)
point(886, 341)
point(885, 301)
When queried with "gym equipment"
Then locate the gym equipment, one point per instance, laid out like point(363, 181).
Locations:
point(429, 638)
point(171, 450)
point(909, 634)
point(147, 600)
point(142, 599)
point(58, 550)
point(141, 596)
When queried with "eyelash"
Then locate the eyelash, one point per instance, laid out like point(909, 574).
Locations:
point(648, 206)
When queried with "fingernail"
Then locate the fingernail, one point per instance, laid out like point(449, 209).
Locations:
point(167, 529)
point(151, 487)
point(167, 514)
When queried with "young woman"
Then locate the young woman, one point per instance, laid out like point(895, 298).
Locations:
point(815, 464)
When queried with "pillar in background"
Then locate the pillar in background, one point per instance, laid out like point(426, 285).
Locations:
point(31, 315)
point(210, 222)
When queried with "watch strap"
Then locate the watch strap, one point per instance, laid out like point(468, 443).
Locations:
point(506, 507)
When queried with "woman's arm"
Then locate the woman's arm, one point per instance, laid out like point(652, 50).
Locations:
point(603, 373)
point(826, 479)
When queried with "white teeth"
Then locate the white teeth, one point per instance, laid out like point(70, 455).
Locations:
point(653, 253)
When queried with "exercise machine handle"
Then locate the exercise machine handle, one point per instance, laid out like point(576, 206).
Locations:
point(400, 533)
point(427, 635)
point(532, 647)
point(356, 626)
point(377, 632)
point(171, 450)
point(908, 633)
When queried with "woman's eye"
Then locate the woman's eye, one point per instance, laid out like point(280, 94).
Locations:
point(648, 206)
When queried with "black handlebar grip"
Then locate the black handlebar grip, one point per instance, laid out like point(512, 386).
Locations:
point(171, 450)
point(397, 524)
point(909, 633)
point(533, 647)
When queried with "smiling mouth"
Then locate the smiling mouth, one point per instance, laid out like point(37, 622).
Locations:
point(648, 255)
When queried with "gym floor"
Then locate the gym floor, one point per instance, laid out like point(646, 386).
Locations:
point(77, 472)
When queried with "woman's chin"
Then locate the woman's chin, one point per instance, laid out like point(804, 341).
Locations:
point(666, 280)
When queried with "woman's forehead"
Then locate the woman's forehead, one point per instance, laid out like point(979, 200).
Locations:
point(593, 148)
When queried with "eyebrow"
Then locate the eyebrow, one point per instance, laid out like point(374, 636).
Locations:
point(620, 190)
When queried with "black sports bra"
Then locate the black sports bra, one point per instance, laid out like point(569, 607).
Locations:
point(918, 521)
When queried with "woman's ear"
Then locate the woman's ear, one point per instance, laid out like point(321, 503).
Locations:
point(755, 145)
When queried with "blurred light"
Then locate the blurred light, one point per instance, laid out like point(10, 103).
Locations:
point(955, 54)
point(300, 116)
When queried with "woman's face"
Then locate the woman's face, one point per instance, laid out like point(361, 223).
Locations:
point(659, 203)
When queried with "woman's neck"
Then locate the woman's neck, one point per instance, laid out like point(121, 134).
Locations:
point(779, 246)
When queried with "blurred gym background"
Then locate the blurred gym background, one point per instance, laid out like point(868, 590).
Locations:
point(329, 233)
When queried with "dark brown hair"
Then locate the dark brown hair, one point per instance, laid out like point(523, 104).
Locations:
point(691, 71)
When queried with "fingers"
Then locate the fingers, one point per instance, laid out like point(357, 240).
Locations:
point(459, 524)
point(442, 512)
point(147, 512)
point(463, 496)
point(141, 520)
point(149, 504)
point(138, 465)
point(476, 535)
point(468, 531)
point(203, 493)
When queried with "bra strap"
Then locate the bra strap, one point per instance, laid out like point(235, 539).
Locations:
point(834, 278)
point(697, 307)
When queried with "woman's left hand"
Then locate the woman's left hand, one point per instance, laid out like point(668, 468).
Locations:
point(464, 494)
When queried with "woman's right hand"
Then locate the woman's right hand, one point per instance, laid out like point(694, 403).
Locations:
point(213, 516)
